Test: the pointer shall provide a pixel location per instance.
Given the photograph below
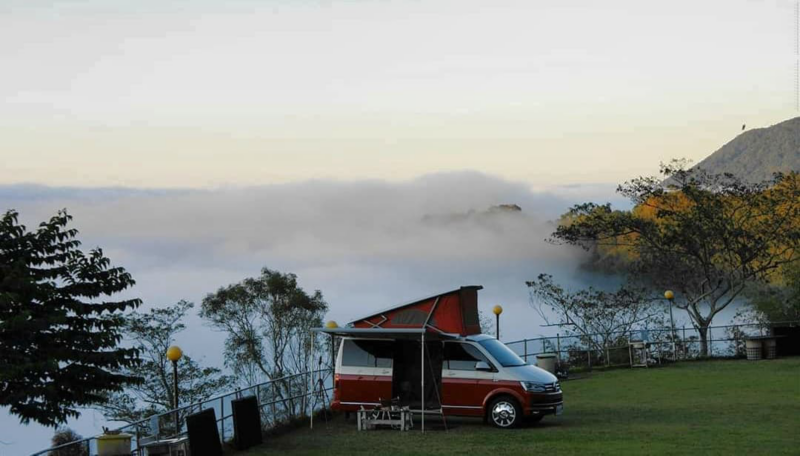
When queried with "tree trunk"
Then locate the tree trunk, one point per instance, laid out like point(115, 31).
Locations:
point(703, 331)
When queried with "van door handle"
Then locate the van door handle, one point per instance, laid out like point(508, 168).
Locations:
point(386, 371)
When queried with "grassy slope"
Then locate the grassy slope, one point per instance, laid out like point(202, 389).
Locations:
point(717, 407)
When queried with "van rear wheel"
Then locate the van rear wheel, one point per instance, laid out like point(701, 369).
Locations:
point(504, 412)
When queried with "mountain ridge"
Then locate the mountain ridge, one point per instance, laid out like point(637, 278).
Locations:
point(756, 154)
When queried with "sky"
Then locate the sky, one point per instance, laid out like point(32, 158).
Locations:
point(197, 142)
point(198, 94)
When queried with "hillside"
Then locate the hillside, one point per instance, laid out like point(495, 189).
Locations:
point(755, 154)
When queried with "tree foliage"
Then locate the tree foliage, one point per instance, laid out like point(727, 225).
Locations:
point(777, 302)
point(59, 330)
point(596, 316)
point(706, 236)
point(152, 333)
point(268, 321)
point(63, 436)
point(488, 323)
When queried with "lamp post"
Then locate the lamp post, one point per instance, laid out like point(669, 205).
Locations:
point(174, 353)
point(497, 310)
point(670, 297)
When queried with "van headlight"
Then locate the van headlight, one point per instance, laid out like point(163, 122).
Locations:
point(532, 387)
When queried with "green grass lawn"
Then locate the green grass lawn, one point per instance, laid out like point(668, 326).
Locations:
point(714, 407)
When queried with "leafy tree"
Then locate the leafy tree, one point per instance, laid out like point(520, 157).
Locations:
point(268, 321)
point(706, 236)
point(152, 333)
point(59, 332)
point(777, 302)
point(610, 257)
point(64, 436)
point(488, 323)
point(597, 317)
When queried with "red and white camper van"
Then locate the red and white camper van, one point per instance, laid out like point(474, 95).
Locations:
point(479, 376)
point(429, 355)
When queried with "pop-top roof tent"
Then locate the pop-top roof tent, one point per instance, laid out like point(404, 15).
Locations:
point(454, 312)
point(423, 323)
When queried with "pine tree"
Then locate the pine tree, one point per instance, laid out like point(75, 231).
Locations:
point(59, 329)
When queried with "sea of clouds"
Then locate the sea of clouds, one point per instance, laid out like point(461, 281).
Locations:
point(365, 244)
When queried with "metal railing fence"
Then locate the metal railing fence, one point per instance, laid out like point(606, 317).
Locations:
point(279, 401)
point(585, 352)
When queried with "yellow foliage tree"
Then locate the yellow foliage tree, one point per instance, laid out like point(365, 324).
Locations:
point(706, 236)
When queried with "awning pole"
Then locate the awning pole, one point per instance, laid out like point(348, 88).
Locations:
point(422, 351)
point(333, 355)
point(311, 366)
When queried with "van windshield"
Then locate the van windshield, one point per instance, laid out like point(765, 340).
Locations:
point(501, 353)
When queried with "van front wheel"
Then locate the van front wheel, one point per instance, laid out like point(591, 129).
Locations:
point(504, 412)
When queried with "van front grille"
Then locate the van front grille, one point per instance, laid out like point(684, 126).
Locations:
point(554, 387)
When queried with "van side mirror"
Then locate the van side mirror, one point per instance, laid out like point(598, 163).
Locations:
point(483, 366)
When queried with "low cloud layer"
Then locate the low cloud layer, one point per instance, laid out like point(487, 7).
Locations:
point(367, 245)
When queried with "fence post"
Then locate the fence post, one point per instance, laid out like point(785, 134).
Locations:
point(558, 347)
point(305, 394)
point(589, 354)
point(272, 403)
point(739, 343)
point(630, 353)
point(543, 349)
point(222, 413)
point(685, 345)
point(525, 342)
point(710, 343)
point(608, 361)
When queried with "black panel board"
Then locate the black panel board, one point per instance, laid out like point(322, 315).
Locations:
point(246, 423)
point(203, 433)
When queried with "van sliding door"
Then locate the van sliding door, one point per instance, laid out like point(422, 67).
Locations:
point(365, 376)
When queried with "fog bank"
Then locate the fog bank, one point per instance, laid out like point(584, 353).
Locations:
point(365, 244)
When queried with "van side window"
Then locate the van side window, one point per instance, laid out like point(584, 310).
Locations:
point(459, 356)
point(354, 356)
point(383, 351)
point(383, 362)
point(367, 353)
